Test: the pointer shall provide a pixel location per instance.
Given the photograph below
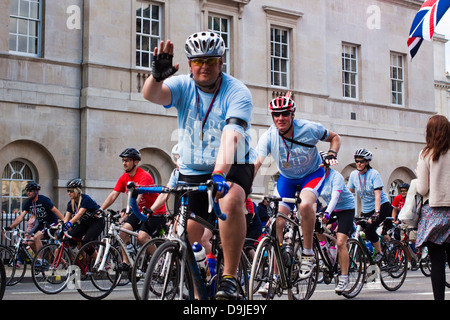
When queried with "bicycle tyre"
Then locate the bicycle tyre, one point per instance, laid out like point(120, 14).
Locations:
point(162, 279)
point(262, 271)
point(91, 283)
point(303, 289)
point(140, 265)
point(425, 263)
point(357, 268)
point(50, 272)
point(393, 265)
point(9, 263)
point(2, 279)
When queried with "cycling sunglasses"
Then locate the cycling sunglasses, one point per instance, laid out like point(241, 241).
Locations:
point(284, 114)
point(200, 61)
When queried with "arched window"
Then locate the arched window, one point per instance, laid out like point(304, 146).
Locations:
point(15, 177)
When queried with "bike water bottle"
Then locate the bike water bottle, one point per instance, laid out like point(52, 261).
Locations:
point(200, 256)
point(333, 253)
point(212, 264)
point(30, 251)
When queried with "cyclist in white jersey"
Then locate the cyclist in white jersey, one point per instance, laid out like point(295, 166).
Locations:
point(214, 116)
point(292, 144)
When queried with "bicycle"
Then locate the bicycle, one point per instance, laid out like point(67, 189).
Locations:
point(393, 266)
point(173, 272)
point(417, 258)
point(102, 261)
point(17, 255)
point(330, 266)
point(51, 269)
point(286, 257)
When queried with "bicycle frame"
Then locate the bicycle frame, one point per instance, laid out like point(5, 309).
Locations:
point(181, 237)
point(113, 233)
point(283, 272)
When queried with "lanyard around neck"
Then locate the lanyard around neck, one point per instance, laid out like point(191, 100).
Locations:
point(210, 105)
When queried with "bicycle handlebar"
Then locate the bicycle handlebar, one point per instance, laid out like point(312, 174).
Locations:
point(274, 198)
point(209, 187)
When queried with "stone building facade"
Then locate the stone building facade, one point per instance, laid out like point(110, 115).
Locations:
point(71, 72)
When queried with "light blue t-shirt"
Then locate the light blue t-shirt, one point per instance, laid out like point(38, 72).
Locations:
point(365, 185)
point(334, 181)
point(198, 156)
point(302, 160)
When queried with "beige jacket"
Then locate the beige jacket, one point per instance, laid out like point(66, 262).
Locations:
point(434, 180)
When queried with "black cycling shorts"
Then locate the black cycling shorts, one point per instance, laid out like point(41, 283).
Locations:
point(151, 226)
point(241, 174)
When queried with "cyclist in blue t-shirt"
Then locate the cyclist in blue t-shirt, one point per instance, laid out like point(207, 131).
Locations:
point(375, 203)
point(292, 144)
point(214, 116)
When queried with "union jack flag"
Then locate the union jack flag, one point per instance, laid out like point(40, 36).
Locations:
point(425, 22)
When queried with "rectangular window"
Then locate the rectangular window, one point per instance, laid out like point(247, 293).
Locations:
point(397, 82)
point(279, 53)
point(25, 20)
point(350, 71)
point(221, 26)
point(148, 32)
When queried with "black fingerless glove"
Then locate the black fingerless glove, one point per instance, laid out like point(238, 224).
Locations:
point(162, 67)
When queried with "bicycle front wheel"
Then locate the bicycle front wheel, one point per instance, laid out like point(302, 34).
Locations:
point(10, 264)
point(393, 266)
point(303, 289)
point(97, 270)
point(357, 268)
point(262, 283)
point(2, 279)
point(163, 276)
point(141, 264)
point(50, 268)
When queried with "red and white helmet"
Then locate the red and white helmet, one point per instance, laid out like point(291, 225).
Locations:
point(282, 103)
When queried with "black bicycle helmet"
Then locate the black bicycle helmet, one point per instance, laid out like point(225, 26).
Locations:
point(74, 183)
point(32, 186)
point(131, 153)
point(403, 185)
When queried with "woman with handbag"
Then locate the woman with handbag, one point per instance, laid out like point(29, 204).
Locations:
point(433, 174)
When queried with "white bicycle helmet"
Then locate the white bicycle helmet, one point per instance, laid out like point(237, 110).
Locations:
point(363, 153)
point(282, 103)
point(175, 153)
point(204, 44)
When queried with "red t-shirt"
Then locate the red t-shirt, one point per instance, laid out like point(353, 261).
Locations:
point(141, 178)
point(398, 202)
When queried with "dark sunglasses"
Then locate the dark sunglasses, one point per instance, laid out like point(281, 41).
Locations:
point(70, 190)
point(284, 114)
point(360, 161)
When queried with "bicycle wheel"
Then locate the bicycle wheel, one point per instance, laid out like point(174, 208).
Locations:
point(425, 263)
point(2, 279)
point(357, 268)
point(261, 283)
point(97, 270)
point(163, 276)
point(141, 264)
point(393, 266)
point(50, 268)
point(303, 289)
point(10, 265)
